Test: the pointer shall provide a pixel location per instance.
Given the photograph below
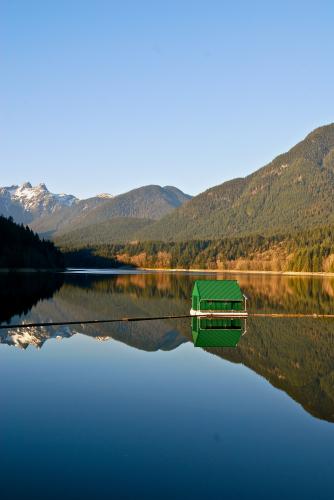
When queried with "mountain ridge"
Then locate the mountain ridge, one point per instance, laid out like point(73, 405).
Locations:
point(293, 192)
point(49, 213)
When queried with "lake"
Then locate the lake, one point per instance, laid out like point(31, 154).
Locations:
point(135, 410)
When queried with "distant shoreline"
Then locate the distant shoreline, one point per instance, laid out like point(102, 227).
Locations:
point(238, 271)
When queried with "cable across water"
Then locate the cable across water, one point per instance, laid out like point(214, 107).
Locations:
point(157, 318)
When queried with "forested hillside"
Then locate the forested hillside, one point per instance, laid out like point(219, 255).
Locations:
point(116, 230)
point(20, 247)
point(293, 192)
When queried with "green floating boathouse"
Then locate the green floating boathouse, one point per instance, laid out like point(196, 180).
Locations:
point(218, 298)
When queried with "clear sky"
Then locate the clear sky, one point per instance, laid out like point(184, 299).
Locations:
point(104, 96)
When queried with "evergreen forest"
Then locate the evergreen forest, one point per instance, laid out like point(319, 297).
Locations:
point(20, 247)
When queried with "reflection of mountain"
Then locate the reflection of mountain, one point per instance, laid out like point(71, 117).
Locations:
point(293, 355)
point(106, 299)
point(86, 297)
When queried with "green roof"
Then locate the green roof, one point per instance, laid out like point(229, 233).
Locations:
point(217, 290)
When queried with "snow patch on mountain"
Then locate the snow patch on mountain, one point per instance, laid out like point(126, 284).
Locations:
point(105, 195)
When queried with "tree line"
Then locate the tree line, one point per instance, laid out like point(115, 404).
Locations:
point(308, 251)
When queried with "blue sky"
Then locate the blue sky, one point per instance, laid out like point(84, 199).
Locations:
point(104, 96)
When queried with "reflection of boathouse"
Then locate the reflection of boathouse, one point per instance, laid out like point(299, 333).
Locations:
point(217, 332)
point(219, 298)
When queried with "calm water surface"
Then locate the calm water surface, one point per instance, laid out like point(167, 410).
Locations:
point(136, 411)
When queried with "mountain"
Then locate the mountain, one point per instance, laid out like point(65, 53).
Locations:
point(294, 191)
point(26, 203)
point(147, 202)
point(50, 214)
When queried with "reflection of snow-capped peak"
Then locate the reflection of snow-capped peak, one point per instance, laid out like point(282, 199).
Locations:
point(23, 337)
point(102, 339)
point(35, 336)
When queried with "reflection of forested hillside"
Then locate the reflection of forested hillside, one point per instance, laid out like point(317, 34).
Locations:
point(146, 285)
point(289, 294)
point(296, 356)
point(20, 291)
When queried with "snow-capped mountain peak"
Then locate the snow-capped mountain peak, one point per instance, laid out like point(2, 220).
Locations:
point(38, 197)
point(33, 201)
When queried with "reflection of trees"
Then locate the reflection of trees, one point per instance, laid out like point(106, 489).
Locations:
point(265, 292)
point(19, 292)
point(288, 294)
